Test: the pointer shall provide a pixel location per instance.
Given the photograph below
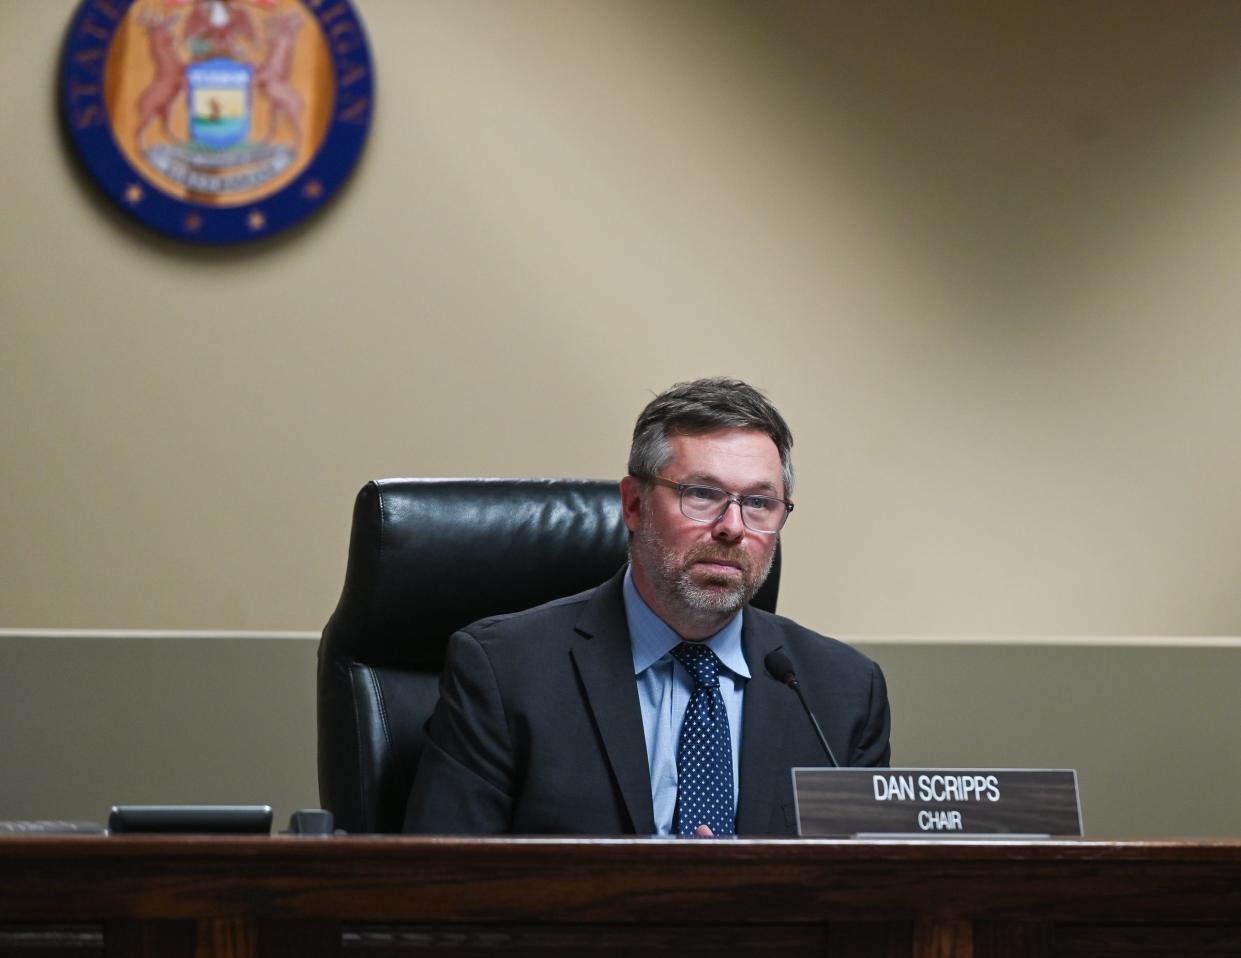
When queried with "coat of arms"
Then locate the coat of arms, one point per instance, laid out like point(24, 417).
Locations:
point(220, 104)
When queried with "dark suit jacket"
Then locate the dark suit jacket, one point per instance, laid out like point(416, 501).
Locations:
point(538, 728)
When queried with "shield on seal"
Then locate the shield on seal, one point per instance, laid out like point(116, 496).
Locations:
point(220, 102)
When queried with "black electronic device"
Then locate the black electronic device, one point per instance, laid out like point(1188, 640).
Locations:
point(311, 821)
point(191, 819)
point(781, 668)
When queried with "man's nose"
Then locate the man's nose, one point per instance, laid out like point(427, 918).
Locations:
point(729, 527)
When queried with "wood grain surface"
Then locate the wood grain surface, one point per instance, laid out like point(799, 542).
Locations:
point(201, 896)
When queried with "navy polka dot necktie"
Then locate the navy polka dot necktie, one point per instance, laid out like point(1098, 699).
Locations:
point(705, 752)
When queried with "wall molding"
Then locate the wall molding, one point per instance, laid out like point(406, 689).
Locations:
point(157, 634)
point(1082, 641)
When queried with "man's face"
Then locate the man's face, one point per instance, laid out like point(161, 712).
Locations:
point(695, 575)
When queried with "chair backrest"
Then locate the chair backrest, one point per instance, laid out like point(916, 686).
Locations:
point(427, 557)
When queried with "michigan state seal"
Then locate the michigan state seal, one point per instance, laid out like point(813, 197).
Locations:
point(217, 121)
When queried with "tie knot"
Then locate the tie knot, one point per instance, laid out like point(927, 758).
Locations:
point(700, 662)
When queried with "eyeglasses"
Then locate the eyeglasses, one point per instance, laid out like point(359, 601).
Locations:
point(765, 514)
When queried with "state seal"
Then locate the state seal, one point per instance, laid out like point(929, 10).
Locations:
point(217, 121)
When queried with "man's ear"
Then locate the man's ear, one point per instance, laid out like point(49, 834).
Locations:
point(631, 491)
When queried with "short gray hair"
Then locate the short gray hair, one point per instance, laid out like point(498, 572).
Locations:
point(700, 406)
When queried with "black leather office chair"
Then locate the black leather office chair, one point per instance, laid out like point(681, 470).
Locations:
point(427, 557)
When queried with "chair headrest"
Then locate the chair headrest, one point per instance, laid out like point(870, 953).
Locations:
point(429, 556)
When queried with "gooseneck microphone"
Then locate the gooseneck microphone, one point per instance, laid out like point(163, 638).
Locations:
point(781, 668)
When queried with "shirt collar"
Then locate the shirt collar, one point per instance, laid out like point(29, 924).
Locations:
point(651, 638)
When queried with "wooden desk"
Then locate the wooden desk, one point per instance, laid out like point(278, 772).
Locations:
point(375, 896)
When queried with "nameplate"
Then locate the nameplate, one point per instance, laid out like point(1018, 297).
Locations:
point(937, 801)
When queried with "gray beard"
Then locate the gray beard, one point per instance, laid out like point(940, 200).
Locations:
point(707, 603)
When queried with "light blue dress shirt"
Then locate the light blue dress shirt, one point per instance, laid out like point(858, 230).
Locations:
point(664, 689)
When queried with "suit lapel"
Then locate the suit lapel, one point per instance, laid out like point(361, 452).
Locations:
point(604, 662)
point(767, 712)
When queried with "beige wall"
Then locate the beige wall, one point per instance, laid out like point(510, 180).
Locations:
point(984, 256)
point(95, 720)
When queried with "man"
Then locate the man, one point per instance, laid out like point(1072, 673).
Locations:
point(643, 706)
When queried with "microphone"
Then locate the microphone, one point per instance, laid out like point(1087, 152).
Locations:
point(781, 668)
